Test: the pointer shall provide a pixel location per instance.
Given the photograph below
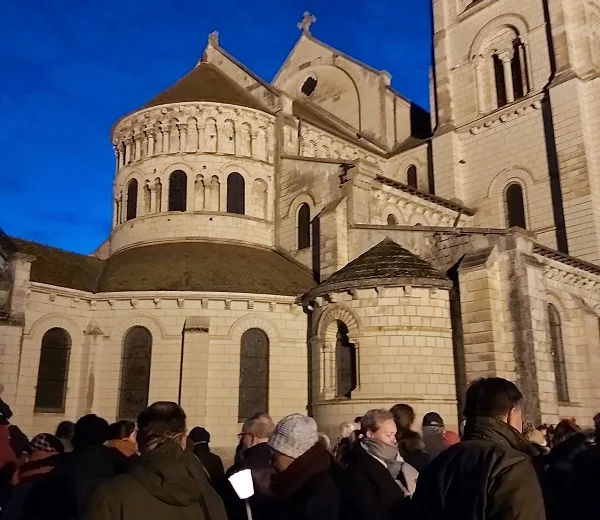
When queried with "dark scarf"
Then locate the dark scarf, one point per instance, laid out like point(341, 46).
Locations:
point(316, 460)
point(386, 453)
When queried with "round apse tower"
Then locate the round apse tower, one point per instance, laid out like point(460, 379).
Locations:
point(194, 163)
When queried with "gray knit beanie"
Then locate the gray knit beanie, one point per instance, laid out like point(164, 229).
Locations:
point(294, 435)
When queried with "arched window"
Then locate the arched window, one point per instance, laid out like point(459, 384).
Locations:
point(254, 374)
point(177, 191)
point(411, 176)
point(391, 220)
point(304, 226)
point(515, 206)
point(132, 193)
point(236, 194)
point(558, 354)
point(135, 373)
point(53, 371)
point(345, 357)
point(499, 82)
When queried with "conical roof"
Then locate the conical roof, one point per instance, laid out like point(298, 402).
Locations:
point(386, 264)
point(205, 82)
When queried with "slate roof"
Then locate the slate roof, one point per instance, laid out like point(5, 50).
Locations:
point(385, 264)
point(184, 266)
point(206, 82)
point(54, 266)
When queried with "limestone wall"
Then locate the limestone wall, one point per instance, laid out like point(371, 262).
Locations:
point(403, 338)
point(98, 323)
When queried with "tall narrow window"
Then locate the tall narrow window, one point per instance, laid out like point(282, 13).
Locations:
point(177, 191)
point(391, 220)
point(558, 354)
point(53, 371)
point(345, 357)
point(135, 373)
point(304, 226)
point(132, 193)
point(517, 72)
point(515, 206)
point(236, 194)
point(254, 374)
point(411, 176)
point(500, 84)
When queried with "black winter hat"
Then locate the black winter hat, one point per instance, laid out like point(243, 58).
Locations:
point(199, 434)
point(433, 419)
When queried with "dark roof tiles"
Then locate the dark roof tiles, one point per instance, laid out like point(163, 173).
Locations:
point(183, 266)
point(385, 264)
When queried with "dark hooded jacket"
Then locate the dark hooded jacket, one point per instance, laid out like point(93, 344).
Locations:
point(166, 483)
point(489, 475)
point(307, 489)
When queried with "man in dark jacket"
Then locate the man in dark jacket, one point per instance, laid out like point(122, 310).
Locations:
point(166, 482)
point(65, 494)
point(257, 456)
point(490, 474)
point(211, 461)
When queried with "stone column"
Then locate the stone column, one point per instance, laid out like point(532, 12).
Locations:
point(182, 137)
point(480, 84)
point(150, 136)
point(166, 134)
point(152, 189)
point(137, 142)
point(506, 58)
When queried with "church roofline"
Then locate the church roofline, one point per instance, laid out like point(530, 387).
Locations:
point(566, 259)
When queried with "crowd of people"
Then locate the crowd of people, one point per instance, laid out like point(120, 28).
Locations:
point(380, 467)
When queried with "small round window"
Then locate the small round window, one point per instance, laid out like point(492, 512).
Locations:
point(309, 86)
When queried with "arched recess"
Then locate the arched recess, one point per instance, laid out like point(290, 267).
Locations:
point(178, 191)
point(132, 197)
point(496, 191)
point(412, 179)
point(557, 352)
point(418, 219)
point(513, 21)
point(142, 319)
point(303, 226)
point(306, 197)
point(514, 200)
point(136, 359)
point(253, 396)
point(327, 326)
point(260, 198)
point(254, 321)
point(53, 371)
point(236, 193)
point(393, 209)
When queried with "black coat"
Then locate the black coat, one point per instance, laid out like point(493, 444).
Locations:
point(258, 459)
point(585, 500)
point(66, 492)
point(489, 475)
point(307, 490)
point(211, 462)
point(369, 489)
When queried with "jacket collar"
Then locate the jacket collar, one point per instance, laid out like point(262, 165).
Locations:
point(315, 460)
point(497, 431)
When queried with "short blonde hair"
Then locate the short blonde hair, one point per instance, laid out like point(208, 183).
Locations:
point(347, 429)
point(373, 419)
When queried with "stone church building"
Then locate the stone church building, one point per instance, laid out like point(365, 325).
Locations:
point(320, 243)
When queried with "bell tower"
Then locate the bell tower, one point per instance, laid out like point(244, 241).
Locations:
point(514, 92)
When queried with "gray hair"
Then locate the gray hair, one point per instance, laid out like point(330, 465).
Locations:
point(260, 426)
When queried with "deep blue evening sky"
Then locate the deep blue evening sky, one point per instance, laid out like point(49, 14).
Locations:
point(70, 68)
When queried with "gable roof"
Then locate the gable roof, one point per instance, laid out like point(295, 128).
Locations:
point(386, 264)
point(184, 266)
point(206, 82)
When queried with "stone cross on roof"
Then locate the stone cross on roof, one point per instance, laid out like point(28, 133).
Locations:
point(307, 20)
point(213, 39)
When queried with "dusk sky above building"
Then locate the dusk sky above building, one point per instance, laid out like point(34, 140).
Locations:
point(71, 68)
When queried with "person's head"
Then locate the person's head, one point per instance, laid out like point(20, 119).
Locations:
point(597, 426)
point(65, 430)
point(294, 435)
point(433, 420)
point(565, 429)
point(535, 436)
point(90, 430)
point(404, 416)
point(199, 435)
point(543, 428)
point(347, 429)
point(495, 397)
point(256, 430)
point(46, 443)
point(160, 422)
point(122, 430)
point(325, 441)
point(379, 425)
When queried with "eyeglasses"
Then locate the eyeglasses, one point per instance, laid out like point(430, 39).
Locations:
point(241, 435)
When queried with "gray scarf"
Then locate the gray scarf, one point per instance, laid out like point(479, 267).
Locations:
point(388, 454)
